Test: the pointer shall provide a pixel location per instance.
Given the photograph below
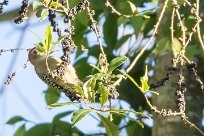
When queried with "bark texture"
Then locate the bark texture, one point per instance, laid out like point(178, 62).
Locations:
point(174, 126)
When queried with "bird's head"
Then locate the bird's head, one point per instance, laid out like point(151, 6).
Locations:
point(34, 56)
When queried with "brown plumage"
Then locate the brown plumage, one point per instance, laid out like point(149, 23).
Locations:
point(56, 73)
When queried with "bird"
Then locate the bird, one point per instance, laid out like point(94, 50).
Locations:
point(55, 72)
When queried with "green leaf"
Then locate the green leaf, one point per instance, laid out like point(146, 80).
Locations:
point(125, 7)
point(124, 115)
point(131, 111)
point(56, 43)
point(176, 46)
point(122, 40)
point(61, 115)
point(111, 129)
point(144, 81)
point(117, 118)
point(40, 48)
point(161, 45)
point(46, 1)
point(51, 95)
point(79, 114)
point(116, 62)
point(39, 130)
point(48, 37)
point(94, 66)
point(133, 129)
point(122, 20)
point(36, 5)
point(79, 90)
point(61, 104)
point(110, 30)
point(82, 18)
point(104, 95)
point(20, 131)
point(137, 23)
point(88, 88)
point(61, 128)
point(55, 4)
point(132, 7)
point(14, 120)
point(42, 14)
point(191, 51)
point(39, 38)
point(133, 81)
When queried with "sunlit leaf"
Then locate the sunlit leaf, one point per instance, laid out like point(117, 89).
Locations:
point(111, 129)
point(144, 81)
point(79, 90)
point(133, 81)
point(176, 46)
point(132, 7)
point(116, 62)
point(94, 66)
point(61, 104)
point(40, 48)
point(36, 4)
point(104, 95)
point(55, 4)
point(56, 43)
point(88, 88)
point(48, 37)
point(79, 114)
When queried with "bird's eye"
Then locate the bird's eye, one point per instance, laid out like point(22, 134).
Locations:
point(35, 52)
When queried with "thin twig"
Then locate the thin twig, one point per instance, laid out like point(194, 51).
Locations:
point(183, 28)
point(198, 26)
point(184, 117)
point(96, 31)
point(148, 42)
point(172, 26)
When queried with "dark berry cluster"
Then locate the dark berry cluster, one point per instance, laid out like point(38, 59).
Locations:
point(9, 79)
point(1, 51)
point(76, 9)
point(54, 24)
point(64, 3)
point(162, 82)
point(67, 47)
point(113, 92)
point(66, 19)
point(12, 50)
point(192, 69)
point(2, 4)
point(22, 12)
point(181, 89)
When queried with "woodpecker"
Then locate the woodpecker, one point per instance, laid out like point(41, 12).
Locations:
point(55, 72)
